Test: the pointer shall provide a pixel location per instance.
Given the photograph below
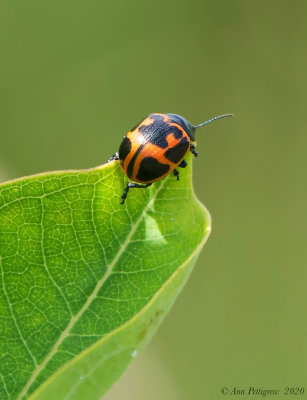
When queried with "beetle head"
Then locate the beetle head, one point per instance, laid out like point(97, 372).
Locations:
point(189, 128)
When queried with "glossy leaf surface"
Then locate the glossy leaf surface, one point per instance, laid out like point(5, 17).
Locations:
point(85, 280)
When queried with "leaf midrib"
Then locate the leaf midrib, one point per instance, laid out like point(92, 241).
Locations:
point(74, 319)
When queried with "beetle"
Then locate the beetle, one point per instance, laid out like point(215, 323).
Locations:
point(155, 147)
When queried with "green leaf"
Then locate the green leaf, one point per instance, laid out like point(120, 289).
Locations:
point(85, 281)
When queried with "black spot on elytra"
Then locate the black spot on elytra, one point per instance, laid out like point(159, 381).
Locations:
point(124, 148)
point(158, 131)
point(176, 153)
point(131, 164)
point(151, 169)
point(176, 131)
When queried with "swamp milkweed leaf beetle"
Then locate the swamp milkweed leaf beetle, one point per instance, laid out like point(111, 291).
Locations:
point(156, 147)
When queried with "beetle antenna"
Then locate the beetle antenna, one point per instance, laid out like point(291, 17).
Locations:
point(213, 119)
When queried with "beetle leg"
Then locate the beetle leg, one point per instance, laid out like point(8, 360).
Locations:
point(176, 173)
point(132, 185)
point(183, 164)
point(192, 149)
point(115, 157)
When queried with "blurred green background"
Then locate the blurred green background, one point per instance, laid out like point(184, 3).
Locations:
point(75, 76)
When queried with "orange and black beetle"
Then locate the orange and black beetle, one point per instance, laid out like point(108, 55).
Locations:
point(155, 148)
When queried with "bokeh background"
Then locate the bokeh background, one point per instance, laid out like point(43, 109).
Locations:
point(76, 75)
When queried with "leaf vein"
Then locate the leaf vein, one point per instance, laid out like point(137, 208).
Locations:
point(74, 319)
point(6, 296)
